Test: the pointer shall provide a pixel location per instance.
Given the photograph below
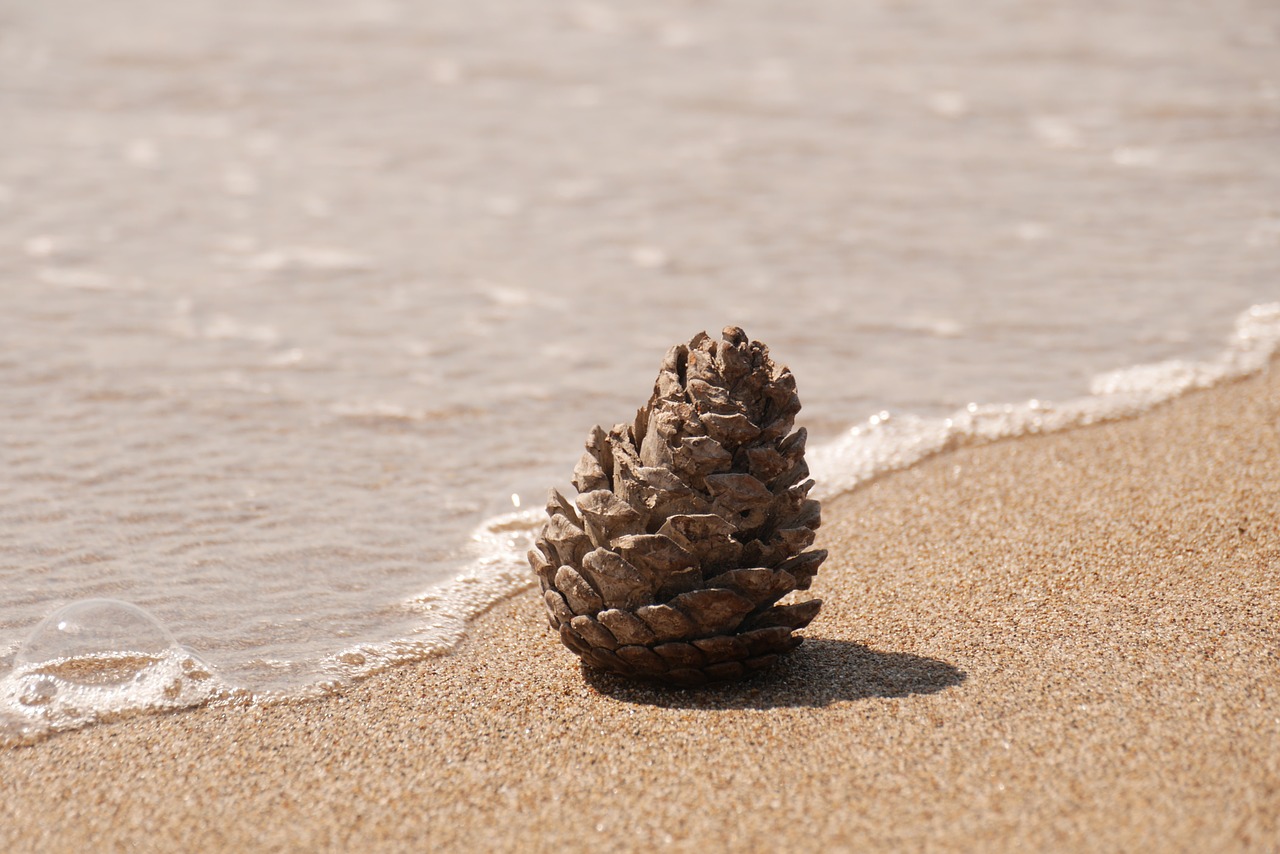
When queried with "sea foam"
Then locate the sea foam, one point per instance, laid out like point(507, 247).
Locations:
point(888, 442)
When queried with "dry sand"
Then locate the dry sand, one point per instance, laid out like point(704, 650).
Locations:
point(1068, 642)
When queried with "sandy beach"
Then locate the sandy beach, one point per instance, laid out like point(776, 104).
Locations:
point(1054, 643)
point(300, 299)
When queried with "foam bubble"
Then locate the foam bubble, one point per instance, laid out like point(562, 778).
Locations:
point(95, 660)
point(94, 627)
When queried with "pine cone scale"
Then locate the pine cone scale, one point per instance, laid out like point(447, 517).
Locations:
point(627, 628)
point(616, 580)
point(754, 585)
point(666, 622)
point(557, 608)
point(679, 655)
point(643, 659)
point(594, 633)
point(722, 648)
point(581, 597)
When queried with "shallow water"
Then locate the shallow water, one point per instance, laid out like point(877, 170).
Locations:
point(295, 297)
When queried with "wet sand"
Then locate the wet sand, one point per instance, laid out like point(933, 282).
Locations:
point(1068, 642)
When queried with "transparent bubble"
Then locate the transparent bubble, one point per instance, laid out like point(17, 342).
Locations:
point(94, 660)
point(98, 629)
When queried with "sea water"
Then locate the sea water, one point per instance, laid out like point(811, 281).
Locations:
point(294, 300)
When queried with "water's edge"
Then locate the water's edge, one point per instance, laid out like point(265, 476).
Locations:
point(41, 696)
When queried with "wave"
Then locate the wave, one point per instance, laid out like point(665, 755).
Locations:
point(55, 688)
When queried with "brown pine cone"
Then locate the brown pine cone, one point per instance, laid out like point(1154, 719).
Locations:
point(690, 525)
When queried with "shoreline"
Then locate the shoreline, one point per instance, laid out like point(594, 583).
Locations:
point(1063, 641)
point(859, 455)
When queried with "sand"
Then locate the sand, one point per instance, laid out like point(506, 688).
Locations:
point(1068, 642)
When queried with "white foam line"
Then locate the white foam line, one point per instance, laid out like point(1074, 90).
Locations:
point(499, 571)
point(885, 443)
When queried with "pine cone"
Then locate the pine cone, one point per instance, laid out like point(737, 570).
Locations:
point(690, 525)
